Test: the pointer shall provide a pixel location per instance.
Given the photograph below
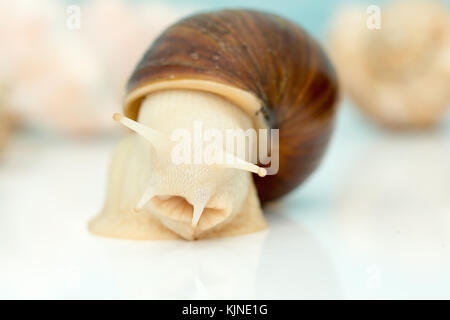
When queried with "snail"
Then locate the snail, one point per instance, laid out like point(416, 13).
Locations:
point(227, 69)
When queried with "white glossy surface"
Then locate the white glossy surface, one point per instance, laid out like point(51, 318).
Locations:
point(373, 222)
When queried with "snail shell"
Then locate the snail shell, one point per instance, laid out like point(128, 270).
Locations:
point(243, 69)
point(263, 63)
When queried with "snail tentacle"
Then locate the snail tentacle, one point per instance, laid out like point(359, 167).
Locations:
point(199, 207)
point(149, 193)
point(236, 163)
point(158, 139)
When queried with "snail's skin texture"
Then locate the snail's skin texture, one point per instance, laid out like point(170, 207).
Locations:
point(261, 64)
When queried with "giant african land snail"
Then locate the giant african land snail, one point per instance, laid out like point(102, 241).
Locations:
point(227, 69)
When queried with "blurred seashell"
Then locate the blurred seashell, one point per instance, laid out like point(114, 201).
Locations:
point(71, 81)
point(399, 75)
point(114, 29)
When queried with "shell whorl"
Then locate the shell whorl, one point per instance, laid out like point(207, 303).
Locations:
point(266, 56)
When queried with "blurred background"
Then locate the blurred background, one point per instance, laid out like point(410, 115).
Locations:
point(372, 222)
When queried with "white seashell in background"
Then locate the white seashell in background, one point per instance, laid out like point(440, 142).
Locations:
point(399, 75)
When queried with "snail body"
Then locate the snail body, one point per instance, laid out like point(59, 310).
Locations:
point(236, 69)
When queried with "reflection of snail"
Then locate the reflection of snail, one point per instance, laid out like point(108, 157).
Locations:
point(247, 267)
point(400, 74)
point(227, 69)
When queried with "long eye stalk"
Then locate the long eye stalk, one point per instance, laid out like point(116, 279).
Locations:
point(157, 138)
point(237, 163)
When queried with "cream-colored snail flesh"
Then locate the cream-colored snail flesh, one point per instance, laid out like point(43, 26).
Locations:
point(230, 69)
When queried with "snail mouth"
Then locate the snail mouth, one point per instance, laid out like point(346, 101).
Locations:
point(178, 209)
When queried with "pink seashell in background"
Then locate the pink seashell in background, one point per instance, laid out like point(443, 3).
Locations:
point(71, 81)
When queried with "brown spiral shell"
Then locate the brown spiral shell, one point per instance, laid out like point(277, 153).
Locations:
point(267, 56)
